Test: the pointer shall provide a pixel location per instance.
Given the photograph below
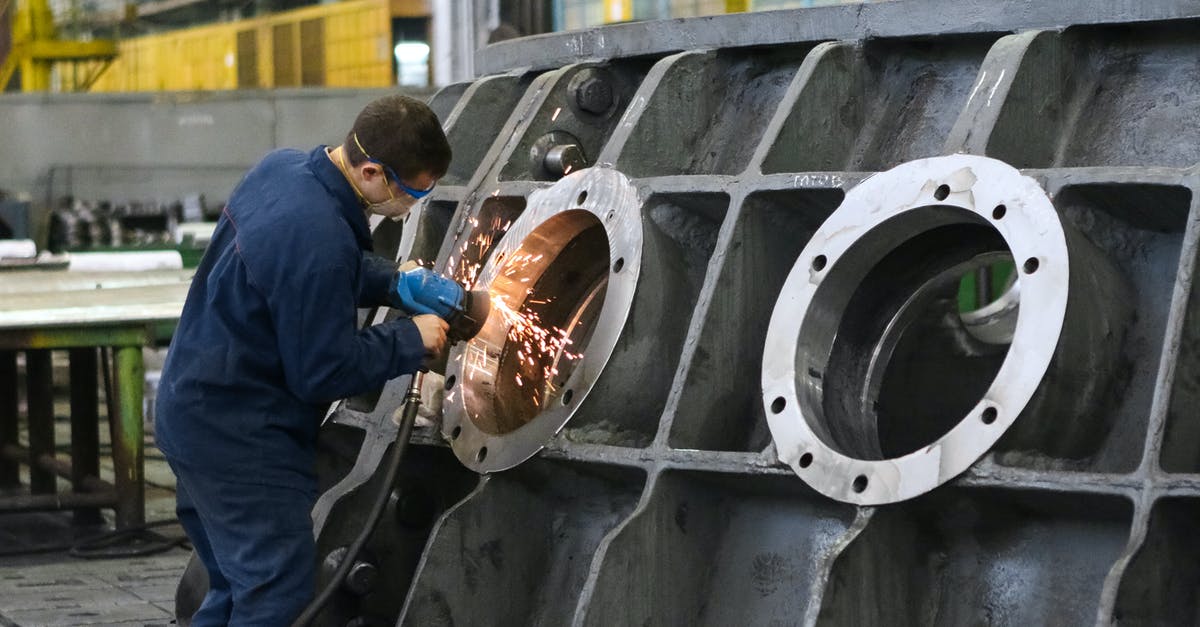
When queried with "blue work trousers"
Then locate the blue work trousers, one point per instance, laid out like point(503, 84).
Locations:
point(256, 543)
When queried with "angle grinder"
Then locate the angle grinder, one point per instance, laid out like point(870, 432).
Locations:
point(422, 291)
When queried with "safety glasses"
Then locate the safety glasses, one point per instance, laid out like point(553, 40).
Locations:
point(415, 193)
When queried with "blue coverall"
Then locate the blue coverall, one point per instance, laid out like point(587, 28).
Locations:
point(266, 341)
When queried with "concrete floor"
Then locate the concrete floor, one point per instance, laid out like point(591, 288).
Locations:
point(56, 589)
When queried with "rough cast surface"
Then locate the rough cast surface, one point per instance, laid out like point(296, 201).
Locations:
point(666, 504)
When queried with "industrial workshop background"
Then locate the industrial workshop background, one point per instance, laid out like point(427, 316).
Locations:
point(172, 45)
point(252, 61)
point(860, 314)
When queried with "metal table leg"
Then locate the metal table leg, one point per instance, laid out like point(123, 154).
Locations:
point(127, 435)
point(40, 401)
point(9, 469)
point(85, 428)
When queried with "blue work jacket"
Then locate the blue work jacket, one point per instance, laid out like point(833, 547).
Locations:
point(268, 336)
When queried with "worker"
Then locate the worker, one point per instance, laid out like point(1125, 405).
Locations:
point(268, 339)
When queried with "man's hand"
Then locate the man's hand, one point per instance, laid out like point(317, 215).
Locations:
point(433, 332)
point(411, 264)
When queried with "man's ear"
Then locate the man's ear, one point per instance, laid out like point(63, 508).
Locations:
point(370, 171)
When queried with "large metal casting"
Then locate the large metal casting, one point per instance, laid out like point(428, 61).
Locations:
point(796, 197)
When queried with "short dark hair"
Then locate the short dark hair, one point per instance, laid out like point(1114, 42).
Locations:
point(403, 133)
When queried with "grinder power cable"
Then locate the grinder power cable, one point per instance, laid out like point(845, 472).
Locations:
point(417, 291)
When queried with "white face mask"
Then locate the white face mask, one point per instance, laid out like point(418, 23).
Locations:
point(396, 207)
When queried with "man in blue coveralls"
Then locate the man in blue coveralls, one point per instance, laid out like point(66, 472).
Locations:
point(268, 339)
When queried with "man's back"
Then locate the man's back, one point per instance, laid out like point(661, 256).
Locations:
point(270, 310)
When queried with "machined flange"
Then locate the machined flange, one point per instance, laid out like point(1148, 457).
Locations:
point(573, 260)
point(877, 389)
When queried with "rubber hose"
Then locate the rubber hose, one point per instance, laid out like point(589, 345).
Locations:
point(412, 401)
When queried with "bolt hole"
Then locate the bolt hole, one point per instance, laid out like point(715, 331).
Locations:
point(989, 415)
point(860, 483)
point(942, 192)
point(806, 460)
point(819, 263)
point(450, 381)
point(455, 433)
point(567, 396)
point(611, 215)
point(481, 455)
point(620, 263)
point(582, 197)
point(999, 212)
point(1031, 265)
point(778, 404)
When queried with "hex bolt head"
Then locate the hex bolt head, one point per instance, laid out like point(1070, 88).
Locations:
point(594, 95)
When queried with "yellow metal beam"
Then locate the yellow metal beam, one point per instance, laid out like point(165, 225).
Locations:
point(58, 50)
point(8, 68)
point(36, 47)
point(93, 76)
point(737, 6)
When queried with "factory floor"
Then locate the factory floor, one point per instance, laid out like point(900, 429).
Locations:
point(54, 588)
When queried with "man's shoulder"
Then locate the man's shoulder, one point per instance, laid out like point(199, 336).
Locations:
point(282, 183)
point(284, 157)
point(279, 165)
point(283, 213)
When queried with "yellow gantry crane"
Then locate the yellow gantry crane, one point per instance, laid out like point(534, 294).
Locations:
point(36, 48)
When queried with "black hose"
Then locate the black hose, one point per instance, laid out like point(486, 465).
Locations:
point(111, 544)
point(136, 541)
point(412, 402)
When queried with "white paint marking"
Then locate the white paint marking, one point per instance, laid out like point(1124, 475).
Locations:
point(996, 86)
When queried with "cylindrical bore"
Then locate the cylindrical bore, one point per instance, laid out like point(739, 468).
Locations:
point(572, 258)
point(877, 389)
point(558, 277)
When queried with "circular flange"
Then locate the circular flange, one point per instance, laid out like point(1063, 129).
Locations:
point(877, 217)
point(555, 248)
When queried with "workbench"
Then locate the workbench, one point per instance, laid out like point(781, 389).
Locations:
point(102, 320)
